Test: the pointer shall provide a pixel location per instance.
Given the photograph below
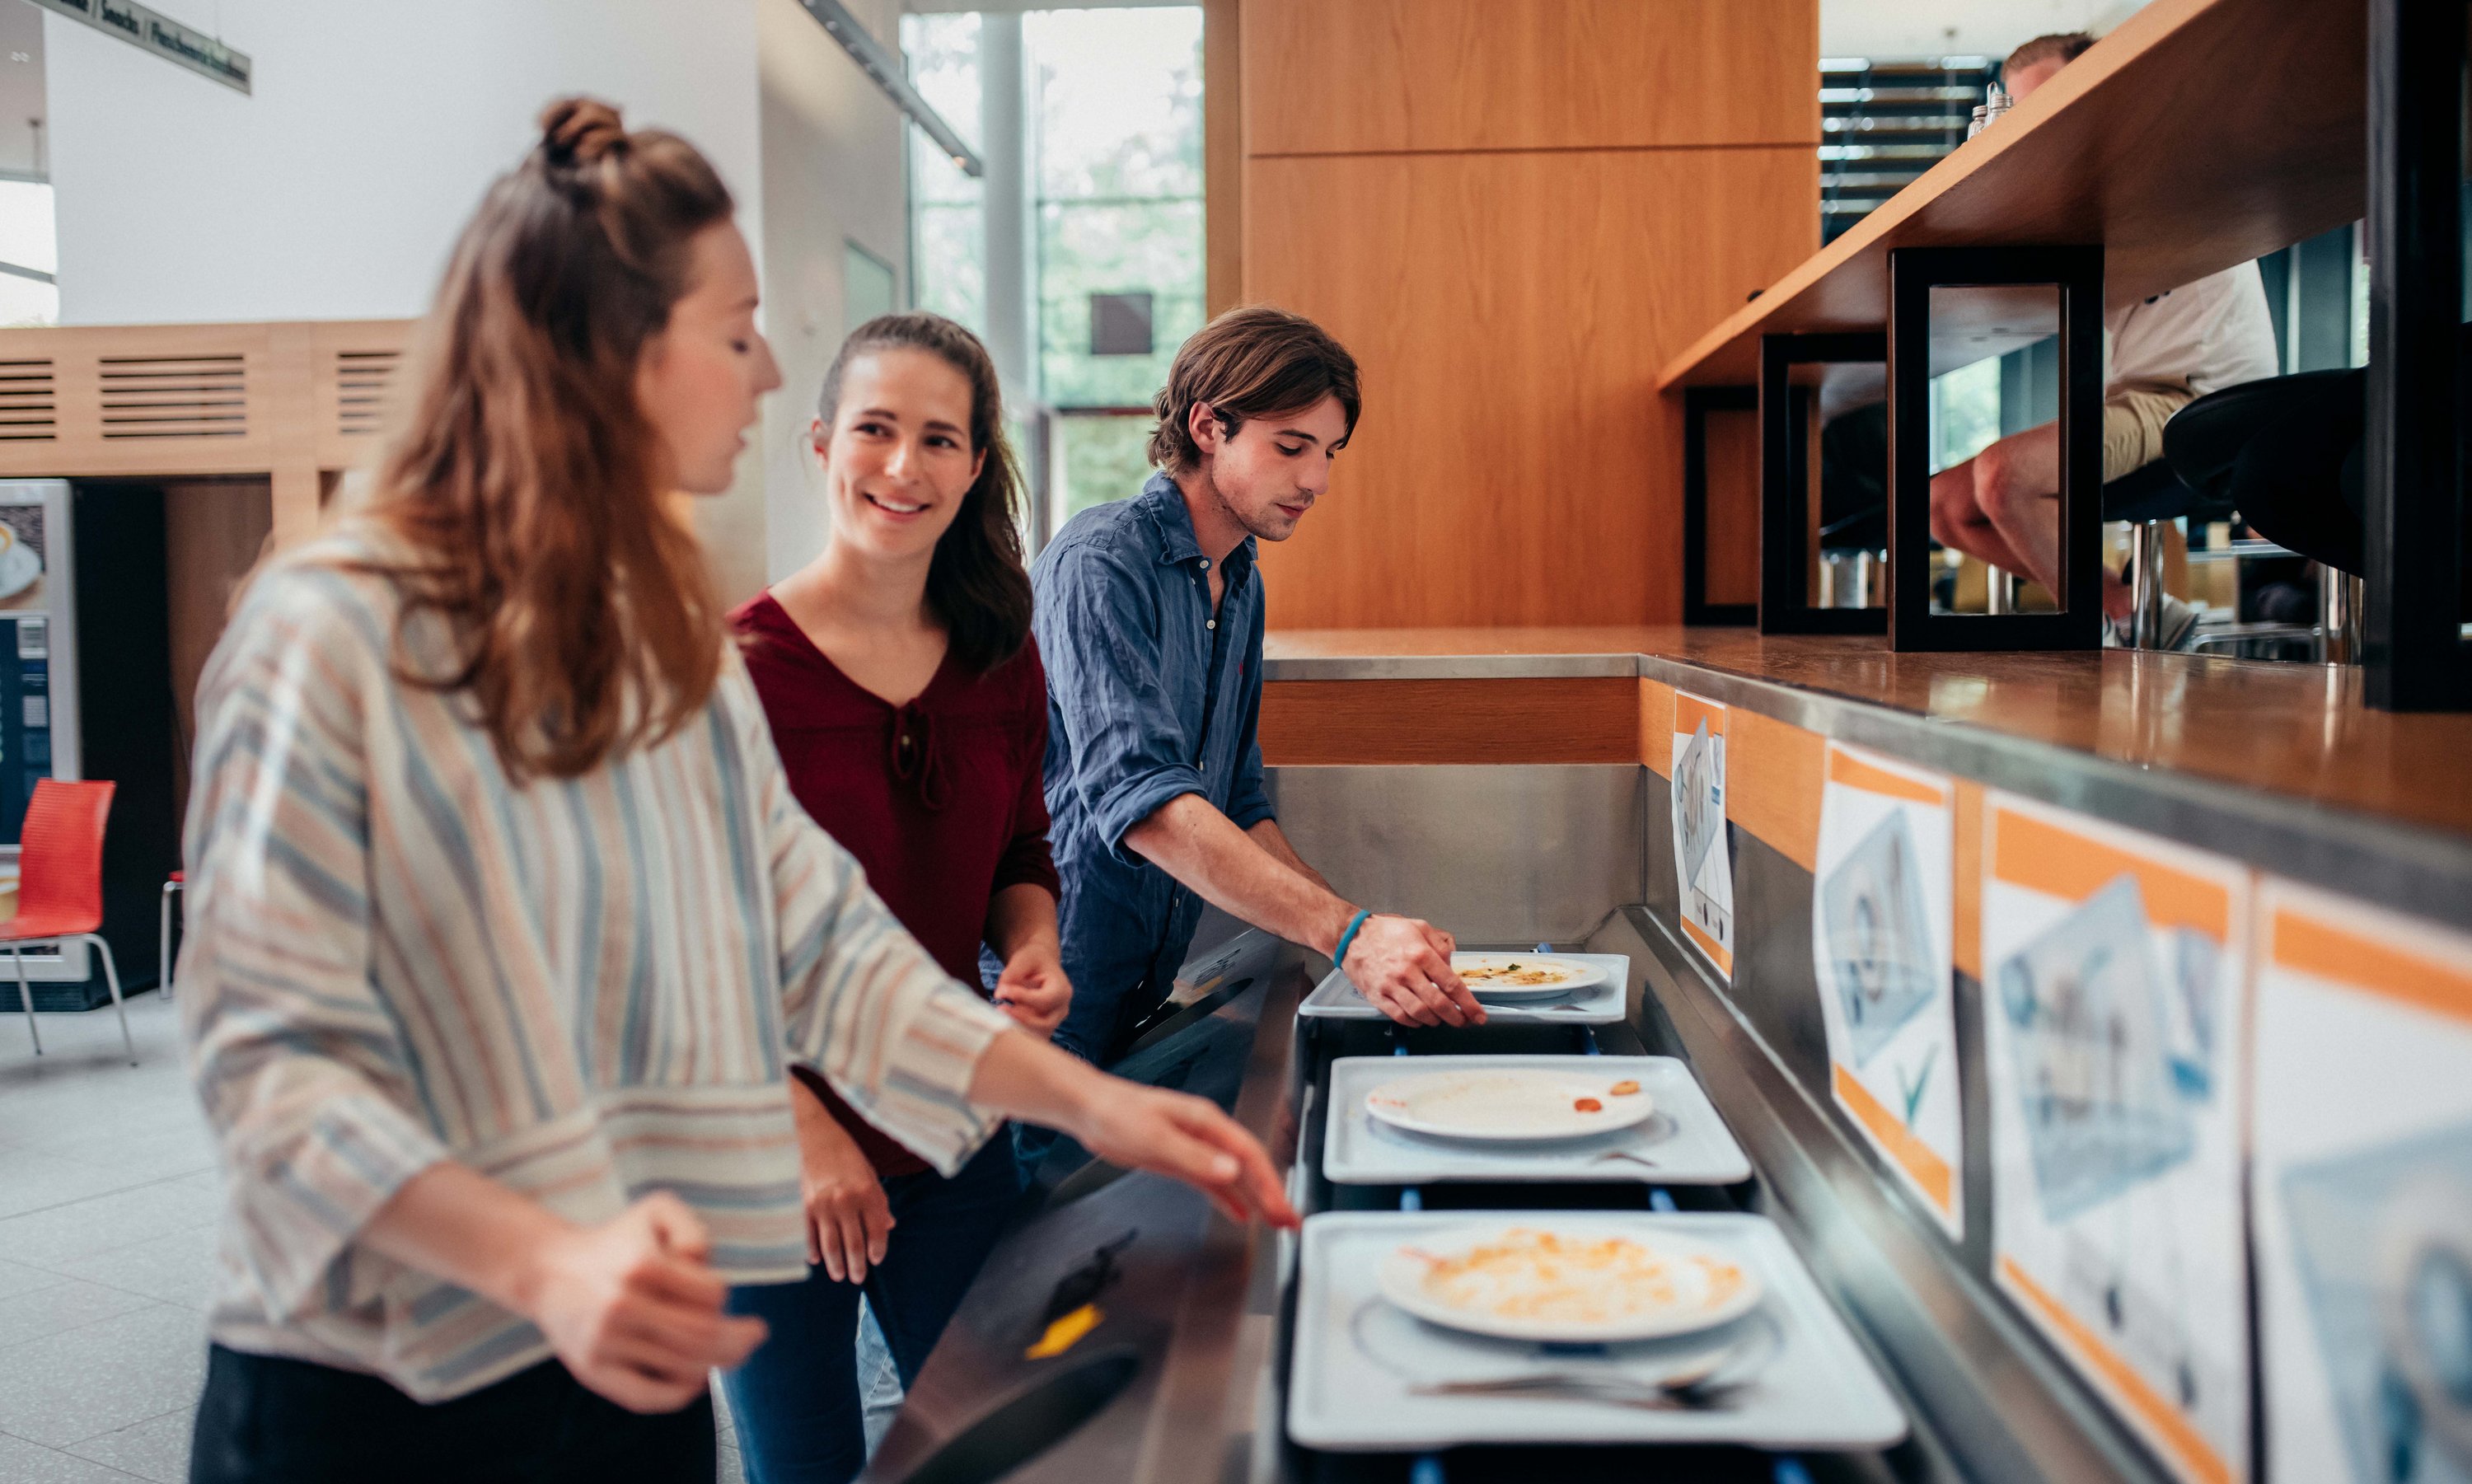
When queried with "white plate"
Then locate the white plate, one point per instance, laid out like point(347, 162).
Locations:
point(1509, 1104)
point(20, 567)
point(1564, 975)
point(1526, 1282)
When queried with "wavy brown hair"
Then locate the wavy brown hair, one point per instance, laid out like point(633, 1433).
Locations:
point(522, 484)
point(976, 583)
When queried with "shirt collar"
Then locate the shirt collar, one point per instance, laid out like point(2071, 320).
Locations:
point(1164, 503)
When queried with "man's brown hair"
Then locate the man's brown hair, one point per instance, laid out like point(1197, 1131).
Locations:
point(2063, 47)
point(1255, 362)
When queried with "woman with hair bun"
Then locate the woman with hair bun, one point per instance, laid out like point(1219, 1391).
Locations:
point(506, 928)
point(905, 695)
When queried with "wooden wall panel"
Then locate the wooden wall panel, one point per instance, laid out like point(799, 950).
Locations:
point(1656, 726)
point(1223, 157)
point(213, 536)
point(1336, 75)
point(1565, 720)
point(1734, 507)
point(1514, 463)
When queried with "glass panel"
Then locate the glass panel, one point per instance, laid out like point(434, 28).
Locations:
point(948, 223)
point(27, 242)
point(1995, 381)
point(868, 288)
point(1117, 176)
point(1085, 249)
point(1099, 457)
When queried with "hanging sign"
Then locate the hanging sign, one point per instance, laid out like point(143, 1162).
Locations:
point(166, 38)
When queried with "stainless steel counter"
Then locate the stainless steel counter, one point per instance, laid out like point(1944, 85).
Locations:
point(1182, 1377)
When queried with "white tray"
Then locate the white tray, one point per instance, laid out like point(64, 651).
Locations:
point(1809, 1386)
point(1691, 1144)
point(1601, 1004)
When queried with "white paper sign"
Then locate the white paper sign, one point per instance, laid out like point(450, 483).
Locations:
point(1703, 868)
point(2114, 991)
point(1882, 905)
point(2363, 1192)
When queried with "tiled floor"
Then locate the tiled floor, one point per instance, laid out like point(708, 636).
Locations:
point(108, 1200)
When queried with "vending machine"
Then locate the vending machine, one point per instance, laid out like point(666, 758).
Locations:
point(39, 689)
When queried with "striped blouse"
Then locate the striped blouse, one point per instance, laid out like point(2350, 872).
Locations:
point(586, 988)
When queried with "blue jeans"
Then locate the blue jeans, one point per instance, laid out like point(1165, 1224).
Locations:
point(796, 1400)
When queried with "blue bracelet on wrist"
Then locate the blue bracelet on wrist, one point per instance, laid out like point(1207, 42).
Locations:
point(1338, 956)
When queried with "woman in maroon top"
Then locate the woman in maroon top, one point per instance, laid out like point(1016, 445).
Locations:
point(907, 701)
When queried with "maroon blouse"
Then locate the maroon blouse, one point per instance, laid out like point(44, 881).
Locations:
point(941, 800)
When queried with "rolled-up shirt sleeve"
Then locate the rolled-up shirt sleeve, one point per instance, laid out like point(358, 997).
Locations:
point(862, 1002)
point(307, 1083)
point(1249, 802)
point(1099, 644)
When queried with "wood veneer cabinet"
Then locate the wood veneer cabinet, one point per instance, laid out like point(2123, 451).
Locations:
point(1513, 212)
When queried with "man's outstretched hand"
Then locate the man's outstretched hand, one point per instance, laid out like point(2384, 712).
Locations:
point(1402, 966)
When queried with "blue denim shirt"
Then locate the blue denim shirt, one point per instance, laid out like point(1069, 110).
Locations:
point(1148, 697)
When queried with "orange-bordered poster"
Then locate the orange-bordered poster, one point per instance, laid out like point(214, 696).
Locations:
point(1703, 867)
point(2362, 1190)
point(1882, 901)
point(2114, 994)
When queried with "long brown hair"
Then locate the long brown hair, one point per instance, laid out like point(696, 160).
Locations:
point(523, 477)
point(976, 582)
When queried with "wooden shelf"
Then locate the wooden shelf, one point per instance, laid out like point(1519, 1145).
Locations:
point(2200, 134)
point(2296, 730)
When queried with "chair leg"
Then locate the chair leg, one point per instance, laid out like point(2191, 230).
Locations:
point(26, 997)
point(2146, 583)
point(112, 978)
point(164, 940)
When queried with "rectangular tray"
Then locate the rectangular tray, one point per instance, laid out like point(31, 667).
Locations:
point(1816, 1389)
point(1688, 1140)
point(1605, 1004)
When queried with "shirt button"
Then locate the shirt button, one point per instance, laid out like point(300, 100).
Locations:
point(1205, 564)
point(1210, 623)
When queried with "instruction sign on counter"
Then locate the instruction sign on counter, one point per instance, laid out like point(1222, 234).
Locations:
point(1882, 901)
point(2115, 986)
point(1703, 867)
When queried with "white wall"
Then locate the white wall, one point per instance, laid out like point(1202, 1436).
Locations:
point(832, 173)
point(335, 191)
point(1950, 28)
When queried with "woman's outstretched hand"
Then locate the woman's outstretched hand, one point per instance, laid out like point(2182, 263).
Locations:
point(1179, 1134)
point(1137, 1127)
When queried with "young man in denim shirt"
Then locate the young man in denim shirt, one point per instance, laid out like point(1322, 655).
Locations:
point(1149, 620)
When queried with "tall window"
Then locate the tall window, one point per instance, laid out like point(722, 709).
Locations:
point(29, 254)
point(1118, 166)
point(947, 213)
point(1113, 198)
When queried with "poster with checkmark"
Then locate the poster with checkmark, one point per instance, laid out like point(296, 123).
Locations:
point(1881, 906)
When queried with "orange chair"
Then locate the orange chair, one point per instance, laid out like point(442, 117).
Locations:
point(60, 886)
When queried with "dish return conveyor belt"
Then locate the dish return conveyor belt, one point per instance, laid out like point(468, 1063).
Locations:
point(1123, 1331)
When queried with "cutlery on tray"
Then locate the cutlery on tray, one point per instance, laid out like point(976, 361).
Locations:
point(1691, 1387)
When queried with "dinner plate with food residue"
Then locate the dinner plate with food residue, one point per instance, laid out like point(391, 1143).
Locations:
point(1511, 1104)
point(1531, 1282)
point(1511, 977)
